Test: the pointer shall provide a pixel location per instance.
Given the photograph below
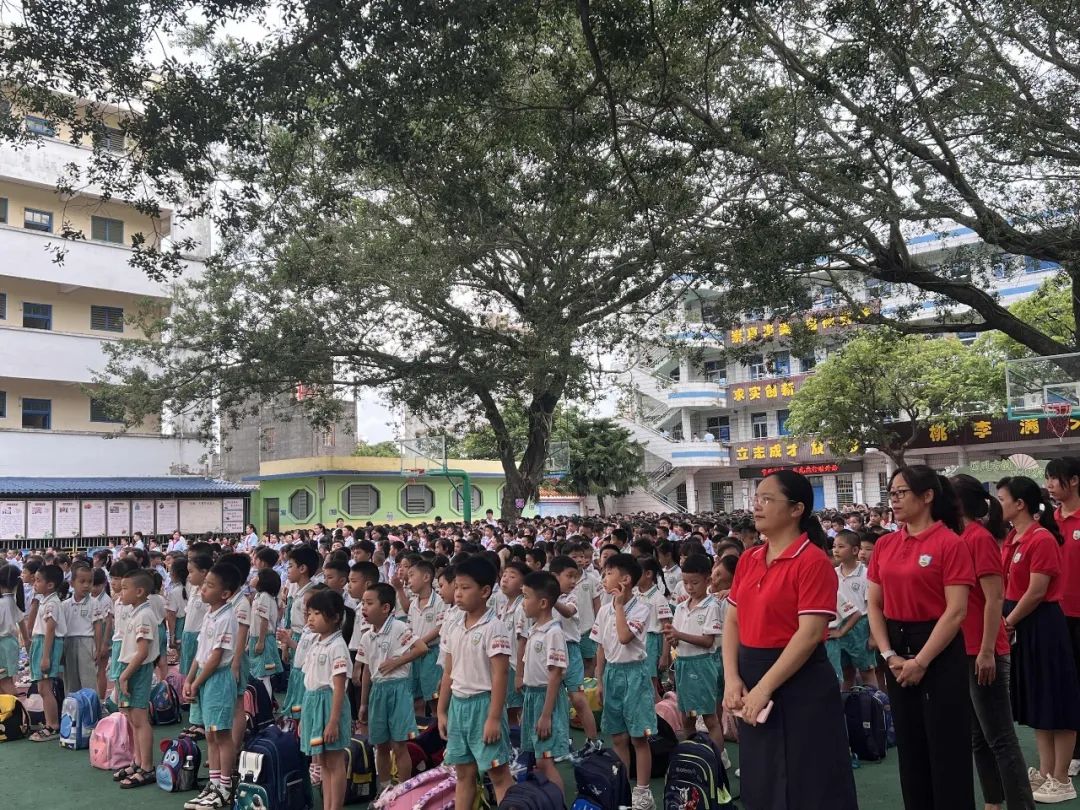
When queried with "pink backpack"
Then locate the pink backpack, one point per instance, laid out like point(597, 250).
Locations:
point(112, 744)
point(176, 681)
point(668, 709)
point(431, 790)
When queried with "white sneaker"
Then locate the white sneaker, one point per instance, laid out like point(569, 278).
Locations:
point(725, 760)
point(1035, 778)
point(1052, 791)
point(1074, 767)
point(642, 799)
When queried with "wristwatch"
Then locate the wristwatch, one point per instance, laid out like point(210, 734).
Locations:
point(888, 654)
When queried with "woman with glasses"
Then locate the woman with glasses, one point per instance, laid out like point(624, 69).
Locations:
point(998, 759)
point(920, 577)
point(1045, 695)
point(778, 680)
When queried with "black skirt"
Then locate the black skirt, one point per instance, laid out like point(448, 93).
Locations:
point(1043, 681)
point(799, 758)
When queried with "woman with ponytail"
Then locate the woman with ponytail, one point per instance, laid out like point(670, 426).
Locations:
point(1043, 681)
point(1063, 484)
point(920, 577)
point(998, 759)
point(794, 756)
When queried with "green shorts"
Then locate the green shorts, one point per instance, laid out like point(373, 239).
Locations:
point(514, 698)
point(56, 658)
point(315, 716)
point(162, 640)
point(628, 706)
point(213, 707)
point(390, 711)
point(426, 675)
point(138, 694)
point(574, 676)
point(240, 684)
point(695, 683)
point(588, 648)
point(557, 743)
point(465, 734)
point(654, 643)
point(720, 673)
point(853, 646)
point(115, 667)
point(832, 651)
point(189, 643)
point(9, 657)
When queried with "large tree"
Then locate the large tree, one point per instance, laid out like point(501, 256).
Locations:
point(881, 388)
point(604, 461)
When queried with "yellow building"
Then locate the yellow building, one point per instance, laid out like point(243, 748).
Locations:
point(56, 317)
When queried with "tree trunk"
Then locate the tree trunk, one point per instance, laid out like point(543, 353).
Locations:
point(601, 502)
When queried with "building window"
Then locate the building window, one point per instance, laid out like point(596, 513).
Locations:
point(268, 439)
point(40, 126)
point(807, 363)
point(111, 139)
point(845, 490)
point(3, 209)
point(300, 504)
point(680, 496)
point(719, 426)
point(101, 412)
point(758, 369)
point(883, 488)
point(782, 363)
point(3, 306)
point(37, 316)
point(3, 404)
point(674, 374)
point(360, 499)
point(103, 229)
point(759, 425)
point(716, 371)
point(37, 413)
point(459, 502)
point(781, 422)
point(417, 499)
point(107, 319)
point(37, 220)
point(722, 494)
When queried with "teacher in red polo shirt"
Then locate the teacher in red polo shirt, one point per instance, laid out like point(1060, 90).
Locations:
point(920, 579)
point(781, 601)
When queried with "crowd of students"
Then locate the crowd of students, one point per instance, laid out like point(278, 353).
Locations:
point(957, 600)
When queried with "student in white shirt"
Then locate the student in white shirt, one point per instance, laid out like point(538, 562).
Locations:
point(47, 647)
point(139, 649)
point(80, 665)
point(11, 615)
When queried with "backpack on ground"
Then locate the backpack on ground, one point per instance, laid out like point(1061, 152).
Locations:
point(273, 773)
point(14, 719)
point(164, 704)
point(433, 746)
point(865, 718)
point(360, 782)
point(79, 713)
point(179, 768)
point(602, 783)
point(662, 743)
point(176, 680)
point(258, 707)
point(696, 777)
point(535, 793)
point(668, 709)
point(112, 743)
point(890, 731)
point(33, 703)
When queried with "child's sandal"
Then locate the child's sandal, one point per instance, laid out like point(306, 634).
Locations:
point(124, 773)
point(138, 779)
point(45, 734)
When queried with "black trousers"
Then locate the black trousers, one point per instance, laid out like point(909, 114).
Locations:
point(998, 758)
point(933, 724)
point(1073, 624)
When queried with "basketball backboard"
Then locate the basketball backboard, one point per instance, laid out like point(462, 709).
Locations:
point(1038, 386)
point(423, 453)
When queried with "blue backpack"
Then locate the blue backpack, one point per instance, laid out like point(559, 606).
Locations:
point(696, 776)
point(164, 704)
point(602, 783)
point(273, 773)
point(890, 731)
point(79, 713)
point(535, 793)
point(866, 725)
point(180, 763)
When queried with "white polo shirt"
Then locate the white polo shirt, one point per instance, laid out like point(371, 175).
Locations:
point(302, 646)
point(604, 632)
point(79, 617)
point(673, 577)
point(242, 608)
point(176, 601)
point(587, 589)
point(157, 605)
point(121, 613)
point(326, 658)
point(570, 627)
point(391, 640)
point(360, 626)
point(470, 648)
point(103, 606)
point(218, 632)
point(856, 586)
point(426, 617)
point(510, 613)
point(701, 620)
point(845, 607)
point(196, 611)
point(264, 613)
point(544, 648)
point(296, 612)
point(659, 609)
point(10, 616)
point(141, 624)
point(50, 607)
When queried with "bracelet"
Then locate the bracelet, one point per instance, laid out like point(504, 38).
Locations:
point(888, 654)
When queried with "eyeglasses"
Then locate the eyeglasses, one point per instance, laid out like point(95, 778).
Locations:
point(898, 494)
point(765, 500)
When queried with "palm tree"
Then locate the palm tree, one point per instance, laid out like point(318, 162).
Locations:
point(604, 461)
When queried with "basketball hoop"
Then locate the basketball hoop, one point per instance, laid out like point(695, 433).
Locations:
point(414, 473)
point(1058, 415)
